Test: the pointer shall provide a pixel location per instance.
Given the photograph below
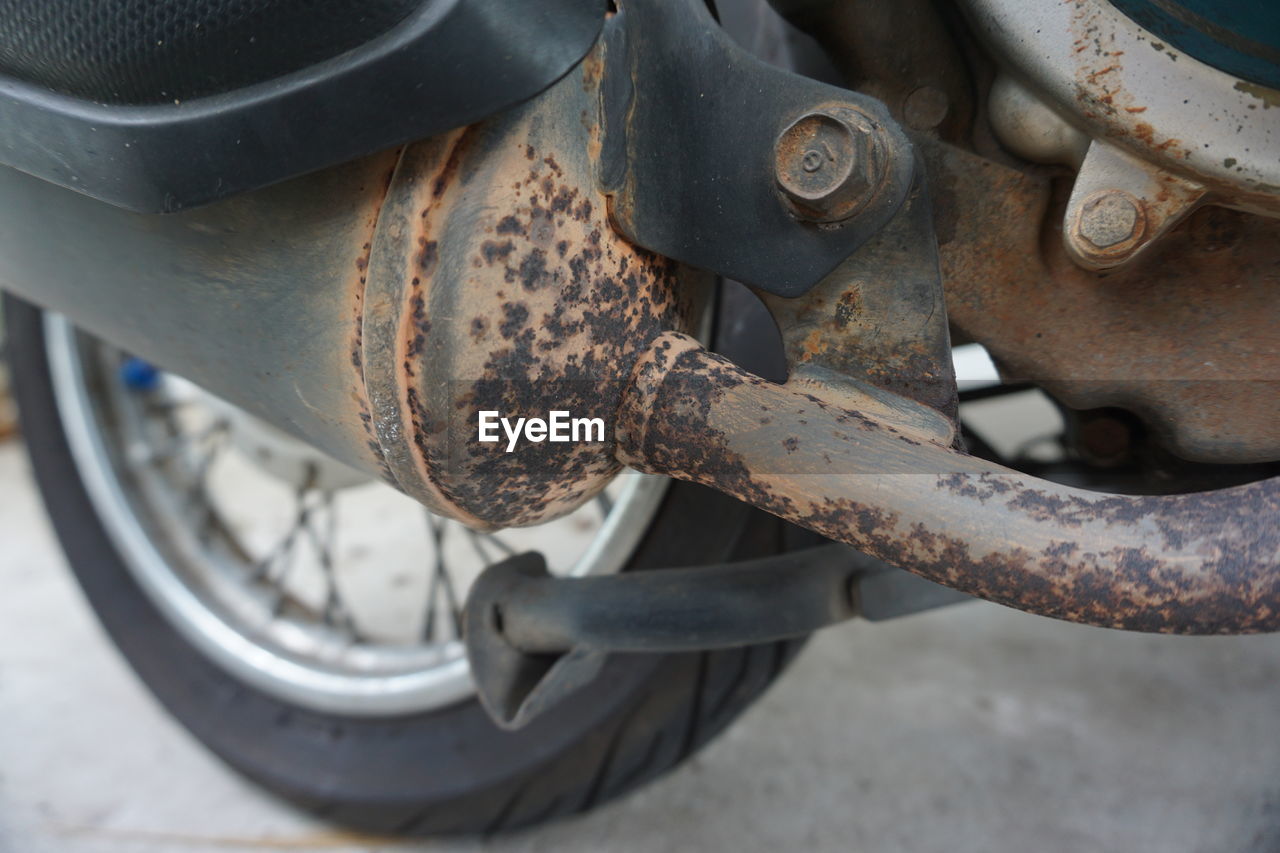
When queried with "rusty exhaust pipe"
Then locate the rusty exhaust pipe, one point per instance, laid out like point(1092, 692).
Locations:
point(886, 480)
point(373, 309)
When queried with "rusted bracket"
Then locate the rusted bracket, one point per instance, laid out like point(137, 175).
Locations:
point(879, 319)
point(703, 153)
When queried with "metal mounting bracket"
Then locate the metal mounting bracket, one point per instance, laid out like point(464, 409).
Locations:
point(703, 153)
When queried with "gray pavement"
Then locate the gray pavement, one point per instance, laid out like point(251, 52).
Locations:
point(970, 729)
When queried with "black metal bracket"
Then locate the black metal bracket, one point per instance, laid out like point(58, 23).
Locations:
point(693, 132)
point(533, 639)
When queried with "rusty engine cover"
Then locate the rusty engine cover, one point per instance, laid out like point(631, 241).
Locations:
point(1186, 339)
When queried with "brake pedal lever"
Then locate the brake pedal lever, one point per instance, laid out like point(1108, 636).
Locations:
point(533, 638)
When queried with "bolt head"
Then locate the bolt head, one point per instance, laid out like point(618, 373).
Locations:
point(829, 164)
point(1110, 220)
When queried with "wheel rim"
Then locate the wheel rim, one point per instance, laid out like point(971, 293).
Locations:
point(284, 611)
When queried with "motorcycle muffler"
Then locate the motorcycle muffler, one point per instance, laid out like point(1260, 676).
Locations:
point(373, 310)
point(376, 309)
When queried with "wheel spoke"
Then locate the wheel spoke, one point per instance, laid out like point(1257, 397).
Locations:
point(336, 612)
point(275, 565)
point(480, 540)
point(211, 444)
point(441, 583)
point(179, 441)
point(311, 504)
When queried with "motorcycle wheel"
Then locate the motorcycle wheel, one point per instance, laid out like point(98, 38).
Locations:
point(426, 760)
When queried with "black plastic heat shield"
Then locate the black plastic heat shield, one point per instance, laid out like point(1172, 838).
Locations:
point(160, 105)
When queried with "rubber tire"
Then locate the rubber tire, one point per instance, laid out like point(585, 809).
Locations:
point(449, 771)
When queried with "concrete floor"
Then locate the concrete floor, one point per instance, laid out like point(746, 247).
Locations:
point(969, 729)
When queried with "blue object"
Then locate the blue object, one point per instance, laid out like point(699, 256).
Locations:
point(1241, 37)
point(139, 375)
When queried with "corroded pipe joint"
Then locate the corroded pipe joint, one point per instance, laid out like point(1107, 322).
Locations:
point(1201, 564)
point(647, 380)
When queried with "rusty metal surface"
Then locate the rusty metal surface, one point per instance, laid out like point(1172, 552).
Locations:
point(1202, 563)
point(1186, 338)
point(879, 317)
point(1151, 202)
point(496, 283)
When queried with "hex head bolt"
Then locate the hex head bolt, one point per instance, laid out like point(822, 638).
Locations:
point(1109, 227)
point(829, 164)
